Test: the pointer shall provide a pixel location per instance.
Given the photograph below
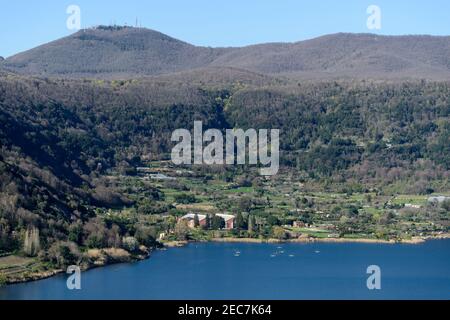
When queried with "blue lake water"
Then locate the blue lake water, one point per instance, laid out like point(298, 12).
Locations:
point(262, 271)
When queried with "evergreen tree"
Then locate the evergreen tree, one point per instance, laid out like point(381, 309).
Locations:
point(207, 224)
point(251, 224)
point(217, 223)
point(196, 221)
point(240, 222)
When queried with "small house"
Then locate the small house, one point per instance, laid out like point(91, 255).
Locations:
point(190, 218)
point(298, 224)
point(229, 220)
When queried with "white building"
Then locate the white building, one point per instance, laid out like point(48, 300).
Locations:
point(190, 218)
point(438, 199)
point(229, 220)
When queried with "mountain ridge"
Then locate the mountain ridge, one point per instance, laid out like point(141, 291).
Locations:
point(126, 52)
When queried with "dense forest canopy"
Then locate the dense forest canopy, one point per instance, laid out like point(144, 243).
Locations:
point(59, 138)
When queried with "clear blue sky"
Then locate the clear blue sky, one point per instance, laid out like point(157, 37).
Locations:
point(25, 24)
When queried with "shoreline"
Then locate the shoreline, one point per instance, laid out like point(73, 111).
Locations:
point(417, 240)
point(33, 277)
point(413, 240)
point(111, 260)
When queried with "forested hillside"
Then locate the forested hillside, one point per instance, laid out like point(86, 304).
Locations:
point(61, 138)
point(366, 128)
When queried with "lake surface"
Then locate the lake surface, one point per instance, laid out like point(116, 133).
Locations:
point(262, 271)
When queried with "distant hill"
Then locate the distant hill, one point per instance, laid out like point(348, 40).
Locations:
point(349, 56)
point(125, 52)
point(112, 53)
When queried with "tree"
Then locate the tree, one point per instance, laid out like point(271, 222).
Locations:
point(251, 224)
point(113, 238)
point(31, 244)
point(130, 244)
point(301, 202)
point(185, 198)
point(76, 232)
point(207, 224)
point(272, 221)
point(182, 230)
point(96, 232)
point(63, 254)
point(196, 221)
point(240, 222)
point(217, 223)
point(279, 233)
point(245, 204)
point(446, 205)
point(243, 182)
point(146, 235)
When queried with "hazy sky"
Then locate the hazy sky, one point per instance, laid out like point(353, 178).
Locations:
point(25, 24)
